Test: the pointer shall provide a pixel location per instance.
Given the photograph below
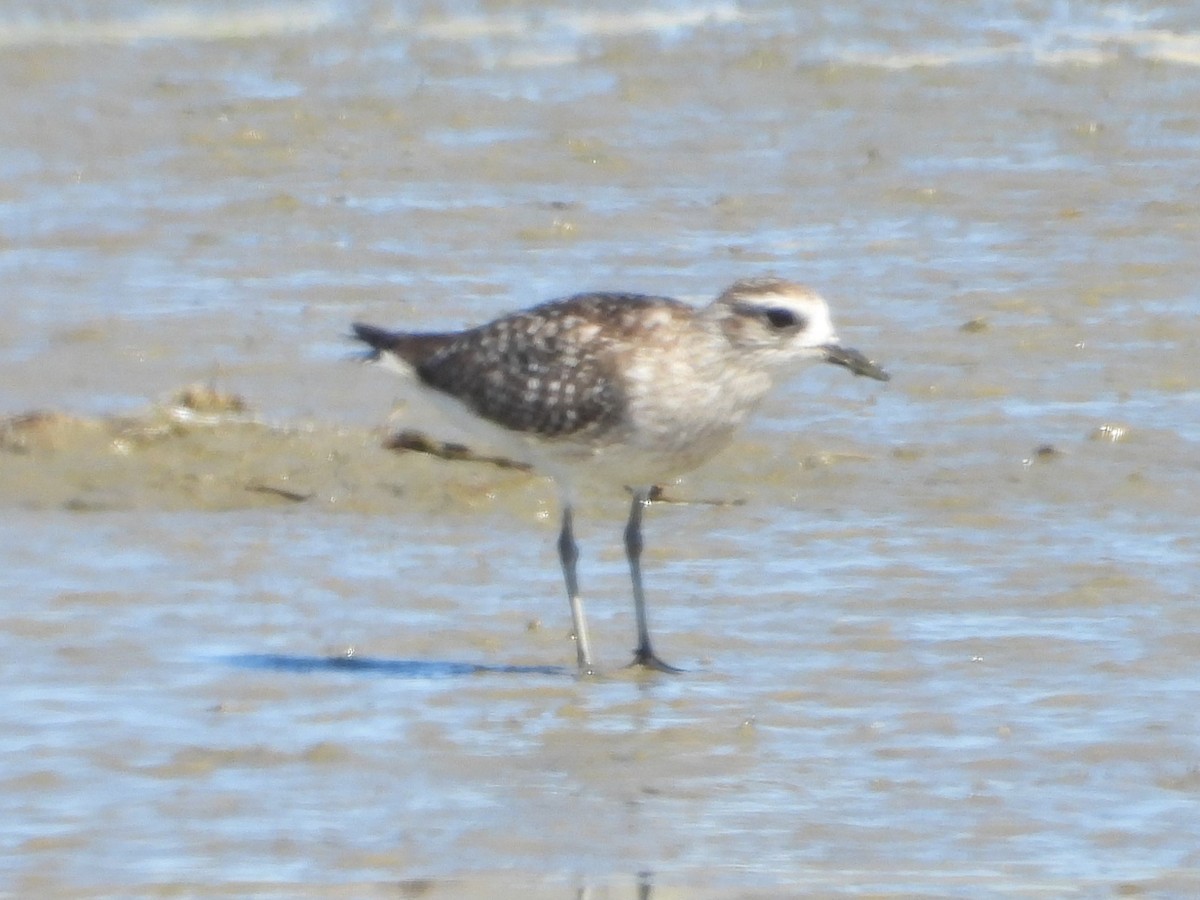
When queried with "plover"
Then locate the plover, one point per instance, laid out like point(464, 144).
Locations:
point(627, 390)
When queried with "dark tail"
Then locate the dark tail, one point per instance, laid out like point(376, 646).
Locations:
point(377, 339)
point(414, 349)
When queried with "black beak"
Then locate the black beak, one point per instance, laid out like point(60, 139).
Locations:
point(854, 361)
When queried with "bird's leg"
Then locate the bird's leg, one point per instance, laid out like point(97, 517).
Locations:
point(568, 554)
point(644, 655)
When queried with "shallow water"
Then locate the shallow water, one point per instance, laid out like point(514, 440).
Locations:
point(947, 643)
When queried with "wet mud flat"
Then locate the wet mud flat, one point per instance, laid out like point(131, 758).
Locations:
point(252, 645)
point(201, 450)
point(939, 637)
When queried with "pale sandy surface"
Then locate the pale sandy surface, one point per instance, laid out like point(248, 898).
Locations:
point(947, 645)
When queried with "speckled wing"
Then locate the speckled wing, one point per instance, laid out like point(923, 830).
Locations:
point(551, 371)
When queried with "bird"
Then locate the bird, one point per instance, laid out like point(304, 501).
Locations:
point(622, 390)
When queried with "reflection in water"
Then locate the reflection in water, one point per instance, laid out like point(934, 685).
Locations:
point(392, 668)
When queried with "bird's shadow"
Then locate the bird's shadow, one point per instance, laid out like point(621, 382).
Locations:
point(384, 668)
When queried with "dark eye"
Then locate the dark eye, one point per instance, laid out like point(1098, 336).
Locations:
point(784, 318)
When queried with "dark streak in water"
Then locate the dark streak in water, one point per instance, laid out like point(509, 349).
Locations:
point(392, 668)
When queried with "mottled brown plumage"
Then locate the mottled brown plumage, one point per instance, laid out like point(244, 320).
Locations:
point(552, 371)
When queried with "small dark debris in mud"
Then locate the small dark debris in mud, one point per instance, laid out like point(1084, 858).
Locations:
point(294, 496)
point(658, 495)
point(416, 442)
point(974, 326)
point(1042, 454)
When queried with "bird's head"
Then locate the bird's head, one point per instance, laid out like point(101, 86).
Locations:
point(782, 322)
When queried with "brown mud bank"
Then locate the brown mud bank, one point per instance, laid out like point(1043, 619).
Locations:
point(206, 450)
point(201, 449)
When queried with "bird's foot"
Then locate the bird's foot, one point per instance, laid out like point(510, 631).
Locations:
point(646, 658)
